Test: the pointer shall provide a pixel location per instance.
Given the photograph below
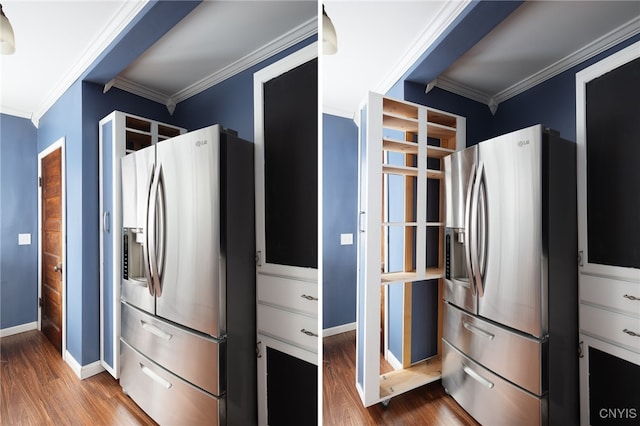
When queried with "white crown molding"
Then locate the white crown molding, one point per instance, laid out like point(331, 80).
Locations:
point(121, 19)
point(15, 112)
point(276, 46)
point(338, 112)
point(444, 18)
point(594, 48)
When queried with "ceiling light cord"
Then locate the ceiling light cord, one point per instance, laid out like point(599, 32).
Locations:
point(7, 39)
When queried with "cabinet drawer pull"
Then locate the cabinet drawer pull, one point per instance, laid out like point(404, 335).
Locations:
point(630, 333)
point(153, 376)
point(308, 333)
point(630, 297)
point(304, 296)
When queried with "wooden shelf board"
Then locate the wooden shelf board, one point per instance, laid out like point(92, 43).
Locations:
point(435, 224)
point(405, 147)
point(400, 381)
point(400, 224)
point(440, 132)
point(410, 276)
point(434, 174)
point(441, 118)
point(399, 108)
point(438, 152)
point(399, 170)
point(399, 123)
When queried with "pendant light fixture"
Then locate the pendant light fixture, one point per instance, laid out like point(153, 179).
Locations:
point(7, 39)
point(329, 38)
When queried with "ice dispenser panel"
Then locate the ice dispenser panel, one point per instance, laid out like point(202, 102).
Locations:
point(455, 259)
point(133, 258)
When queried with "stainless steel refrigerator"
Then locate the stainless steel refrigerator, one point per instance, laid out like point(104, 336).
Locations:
point(510, 331)
point(188, 281)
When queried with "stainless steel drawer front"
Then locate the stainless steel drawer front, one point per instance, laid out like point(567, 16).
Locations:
point(515, 357)
point(164, 396)
point(490, 399)
point(176, 349)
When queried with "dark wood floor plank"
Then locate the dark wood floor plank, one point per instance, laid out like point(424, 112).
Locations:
point(38, 388)
point(427, 405)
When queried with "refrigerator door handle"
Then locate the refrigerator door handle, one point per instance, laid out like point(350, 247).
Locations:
point(161, 231)
point(151, 230)
point(145, 246)
point(467, 231)
point(473, 231)
point(153, 376)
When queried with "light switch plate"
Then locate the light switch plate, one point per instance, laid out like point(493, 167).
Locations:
point(346, 239)
point(24, 239)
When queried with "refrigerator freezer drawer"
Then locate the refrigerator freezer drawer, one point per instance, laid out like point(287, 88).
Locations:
point(176, 349)
point(513, 356)
point(288, 293)
point(299, 330)
point(490, 399)
point(164, 396)
point(616, 328)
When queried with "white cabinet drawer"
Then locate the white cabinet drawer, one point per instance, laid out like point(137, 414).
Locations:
point(299, 330)
point(300, 296)
point(621, 296)
point(610, 326)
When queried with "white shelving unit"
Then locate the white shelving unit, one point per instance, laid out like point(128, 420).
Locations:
point(399, 149)
point(120, 134)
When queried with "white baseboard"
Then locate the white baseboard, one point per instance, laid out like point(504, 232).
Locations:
point(395, 363)
point(338, 329)
point(19, 329)
point(83, 371)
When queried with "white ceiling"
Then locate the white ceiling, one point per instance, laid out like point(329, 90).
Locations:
point(539, 40)
point(56, 40)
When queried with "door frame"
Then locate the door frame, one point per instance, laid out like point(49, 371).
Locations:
point(583, 77)
point(59, 144)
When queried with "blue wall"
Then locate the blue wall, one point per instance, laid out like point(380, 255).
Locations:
point(18, 215)
point(339, 216)
point(230, 102)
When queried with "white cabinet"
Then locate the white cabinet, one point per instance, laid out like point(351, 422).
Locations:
point(286, 170)
point(400, 246)
point(608, 233)
point(120, 133)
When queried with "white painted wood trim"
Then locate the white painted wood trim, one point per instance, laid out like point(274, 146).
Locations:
point(582, 78)
point(339, 329)
point(82, 371)
point(259, 78)
point(10, 331)
point(60, 143)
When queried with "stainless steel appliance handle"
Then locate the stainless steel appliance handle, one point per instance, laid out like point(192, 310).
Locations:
point(467, 221)
point(153, 376)
point(151, 230)
point(145, 246)
point(483, 231)
point(477, 330)
point(155, 330)
point(473, 231)
point(161, 232)
point(477, 377)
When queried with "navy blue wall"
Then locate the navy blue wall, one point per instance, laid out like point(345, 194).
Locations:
point(230, 102)
point(18, 215)
point(339, 216)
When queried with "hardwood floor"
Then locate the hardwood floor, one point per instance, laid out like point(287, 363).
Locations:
point(38, 388)
point(427, 405)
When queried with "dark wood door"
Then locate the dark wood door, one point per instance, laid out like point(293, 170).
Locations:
point(51, 285)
